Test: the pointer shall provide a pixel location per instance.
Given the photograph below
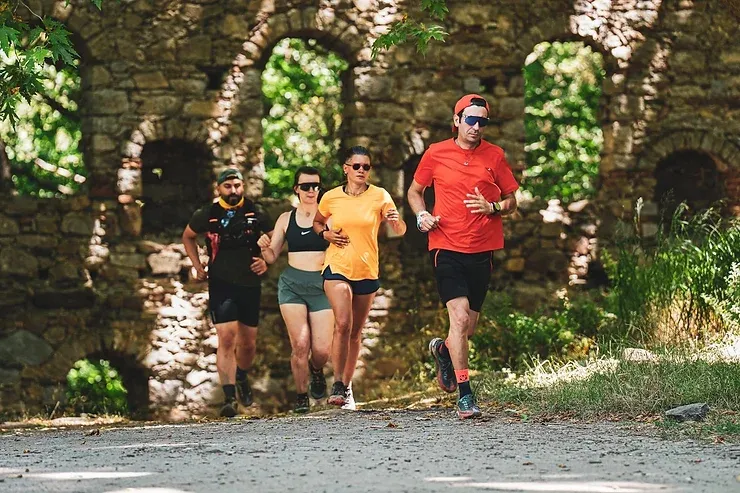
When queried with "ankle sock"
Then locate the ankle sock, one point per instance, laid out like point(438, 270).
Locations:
point(463, 382)
point(230, 392)
point(302, 397)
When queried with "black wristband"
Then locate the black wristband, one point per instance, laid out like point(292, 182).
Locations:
point(321, 233)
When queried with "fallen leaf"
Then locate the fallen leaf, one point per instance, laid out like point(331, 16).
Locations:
point(562, 466)
point(696, 461)
point(94, 432)
point(528, 463)
point(392, 425)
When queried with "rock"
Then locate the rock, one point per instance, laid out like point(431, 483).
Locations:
point(18, 263)
point(636, 355)
point(148, 246)
point(689, 412)
point(197, 377)
point(64, 298)
point(77, 224)
point(9, 377)
point(129, 260)
point(166, 262)
point(151, 80)
point(25, 348)
point(64, 271)
point(8, 227)
point(164, 393)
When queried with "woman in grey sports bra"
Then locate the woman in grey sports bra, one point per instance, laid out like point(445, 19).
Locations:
point(303, 304)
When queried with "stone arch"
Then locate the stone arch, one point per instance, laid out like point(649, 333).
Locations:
point(236, 133)
point(689, 176)
point(725, 153)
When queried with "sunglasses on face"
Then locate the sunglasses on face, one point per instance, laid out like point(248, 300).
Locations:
point(357, 166)
point(309, 186)
point(482, 121)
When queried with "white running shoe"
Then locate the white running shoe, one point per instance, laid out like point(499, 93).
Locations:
point(349, 400)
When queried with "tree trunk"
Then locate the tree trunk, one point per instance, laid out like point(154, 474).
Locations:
point(6, 183)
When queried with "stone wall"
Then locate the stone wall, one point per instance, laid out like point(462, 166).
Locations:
point(94, 275)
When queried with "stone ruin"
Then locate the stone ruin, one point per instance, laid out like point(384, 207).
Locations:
point(171, 95)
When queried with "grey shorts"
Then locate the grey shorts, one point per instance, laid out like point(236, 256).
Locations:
point(302, 287)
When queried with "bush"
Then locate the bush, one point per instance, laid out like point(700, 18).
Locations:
point(96, 388)
point(682, 285)
point(506, 338)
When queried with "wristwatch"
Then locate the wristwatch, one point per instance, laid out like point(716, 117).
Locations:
point(495, 208)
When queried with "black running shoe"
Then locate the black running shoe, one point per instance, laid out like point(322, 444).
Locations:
point(244, 392)
point(302, 405)
point(228, 410)
point(318, 384)
point(445, 371)
point(338, 394)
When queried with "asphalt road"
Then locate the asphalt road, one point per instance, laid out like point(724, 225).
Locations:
point(363, 451)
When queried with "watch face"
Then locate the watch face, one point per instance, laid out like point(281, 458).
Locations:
point(497, 206)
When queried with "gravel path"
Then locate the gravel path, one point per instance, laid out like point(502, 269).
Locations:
point(363, 451)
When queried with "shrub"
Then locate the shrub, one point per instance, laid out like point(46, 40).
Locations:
point(96, 388)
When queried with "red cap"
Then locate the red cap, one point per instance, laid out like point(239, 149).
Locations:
point(466, 100)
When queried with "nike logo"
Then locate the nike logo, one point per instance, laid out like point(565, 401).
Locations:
point(304, 232)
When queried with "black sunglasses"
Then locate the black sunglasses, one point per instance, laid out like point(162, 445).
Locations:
point(314, 185)
point(482, 121)
point(357, 166)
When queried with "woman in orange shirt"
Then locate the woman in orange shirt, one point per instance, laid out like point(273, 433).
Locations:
point(350, 273)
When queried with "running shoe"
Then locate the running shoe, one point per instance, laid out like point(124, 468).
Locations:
point(302, 405)
point(349, 399)
point(228, 410)
point(445, 371)
point(467, 407)
point(318, 384)
point(244, 392)
point(338, 394)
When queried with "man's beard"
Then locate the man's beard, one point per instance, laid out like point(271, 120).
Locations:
point(233, 198)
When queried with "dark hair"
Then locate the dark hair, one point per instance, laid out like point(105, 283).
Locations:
point(357, 150)
point(305, 170)
point(473, 102)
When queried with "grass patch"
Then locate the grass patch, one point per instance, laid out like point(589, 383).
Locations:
point(717, 428)
point(608, 386)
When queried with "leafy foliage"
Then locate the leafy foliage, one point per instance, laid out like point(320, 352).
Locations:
point(409, 29)
point(96, 388)
point(302, 89)
point(563, 136)
point(681, 285)
point(29, 48)
point(42, 143)
point(507, 338)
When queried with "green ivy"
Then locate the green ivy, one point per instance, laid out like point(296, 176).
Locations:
point(302, 89)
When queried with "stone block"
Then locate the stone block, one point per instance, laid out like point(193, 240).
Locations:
point(25, 348)
point(77, 224)
point(151, 80)
point(160, 105)
point(9, 376)
point(107, 102)
point(17, 262)
point(166, 262)
point(514, 264)
point(203, 109)
point(21, 205)
point(8, 226)
point(64, 271)
point(64, 298)
point(196, 49)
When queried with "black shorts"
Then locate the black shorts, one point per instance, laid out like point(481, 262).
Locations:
point(462, 275)
point(360, 287)
point(229, 302)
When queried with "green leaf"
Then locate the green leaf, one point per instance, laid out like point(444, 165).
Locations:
point(59, 42)
point(8, 38)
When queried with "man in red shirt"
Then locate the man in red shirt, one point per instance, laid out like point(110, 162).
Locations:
point(473, 188)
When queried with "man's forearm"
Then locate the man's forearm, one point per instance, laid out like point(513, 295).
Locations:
point(416, 201)
point(508, 204)
point(191, 249)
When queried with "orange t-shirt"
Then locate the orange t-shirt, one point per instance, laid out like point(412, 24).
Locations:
point(442, 166)
point(360, 218)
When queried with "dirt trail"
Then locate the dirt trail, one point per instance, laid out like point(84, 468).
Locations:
point(363, 451)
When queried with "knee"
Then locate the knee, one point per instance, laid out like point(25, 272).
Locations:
point(227, 340)
point(342, 325)
point(300, 349)
point(459, 321)
point(319, 355)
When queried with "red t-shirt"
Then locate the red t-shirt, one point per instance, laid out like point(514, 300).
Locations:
point(442, 166)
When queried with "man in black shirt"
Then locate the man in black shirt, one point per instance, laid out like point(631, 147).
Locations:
point(232, 227)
